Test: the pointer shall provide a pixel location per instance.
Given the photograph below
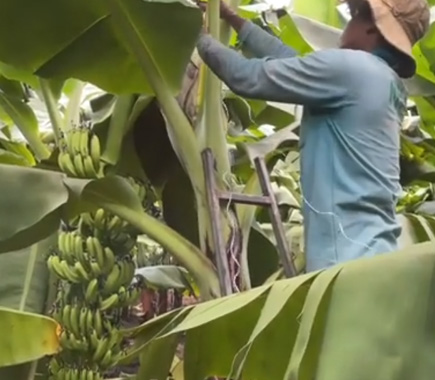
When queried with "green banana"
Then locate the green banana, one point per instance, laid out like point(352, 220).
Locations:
point(90, 247)
point(114, 223)
point(61, 241)
point(99, 219)
point(122, 294)
point(109, 259)
point(109, 302)
point(89, 167)
point(84, 374)
point(112, 279)
point(95, 151)
point(83, 315)
point(106, 359)
point(94, 340)
point(63, 340)
point(53, 264)
point(78, 165)
point(84, 142)
point(74, 320)
point(61, 374)
point(91, 293)
point(66, 164)
point(101, 350)
point(80, 270)
point(96, 269)
point(114, 337)
point(99, 252)
point(98, 322)
point(90, 375)
point(75, 142)
point(69, 244)
point(70, 274)
point(78, 248)
point(75, 374)
point(54, 366)
point(89, 321)
point(66, 316)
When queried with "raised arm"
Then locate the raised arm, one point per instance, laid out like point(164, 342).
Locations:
point(262, 44)
point(314, 80)
point(256, 40)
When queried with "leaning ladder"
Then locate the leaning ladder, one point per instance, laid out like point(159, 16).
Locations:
point(216, 198)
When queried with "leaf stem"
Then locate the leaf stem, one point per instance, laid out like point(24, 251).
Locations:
point(53, 111)
point(215, 133)
point(117, 127)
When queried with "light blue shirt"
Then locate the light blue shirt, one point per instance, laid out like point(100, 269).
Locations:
point(354, 104)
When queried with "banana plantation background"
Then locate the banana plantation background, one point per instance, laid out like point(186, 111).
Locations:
point(107, 263)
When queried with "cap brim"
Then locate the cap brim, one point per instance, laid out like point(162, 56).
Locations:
point(394, 34)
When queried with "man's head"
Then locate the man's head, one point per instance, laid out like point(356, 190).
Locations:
point(392, 24)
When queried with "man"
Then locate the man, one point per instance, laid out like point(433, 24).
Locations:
point(354, 105)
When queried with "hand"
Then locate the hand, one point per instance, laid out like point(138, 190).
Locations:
point(225, 11)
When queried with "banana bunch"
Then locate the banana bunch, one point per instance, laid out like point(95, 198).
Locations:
point(69, 373)
point(105, 226)
point(80, 154)
point(138, 188)
point(124, 297)
point(79, 320)
point(121, 275)
point(95, 262)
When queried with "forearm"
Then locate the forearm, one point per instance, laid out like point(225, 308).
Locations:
point(235, 21)
point(231, 67)
point(262, 44)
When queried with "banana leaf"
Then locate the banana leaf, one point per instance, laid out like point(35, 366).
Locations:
point(351, 321)
point(25, 286)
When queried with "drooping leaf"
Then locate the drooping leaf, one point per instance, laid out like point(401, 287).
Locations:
point(80, 40)
point(11, 158)
point(156, 359)
point(25, 286)
point(24, 118)
point(352, 316)
point(28, 196)
point(29, 337)
point(165, 276)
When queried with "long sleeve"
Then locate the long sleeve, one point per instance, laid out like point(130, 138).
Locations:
point(318, 79)
point(261, 44)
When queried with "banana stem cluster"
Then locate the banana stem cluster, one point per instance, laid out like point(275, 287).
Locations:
point(95, 264)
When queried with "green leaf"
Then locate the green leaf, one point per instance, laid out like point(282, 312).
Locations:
point(382, 312)
point(10, 158)
point(29, 337)
point(281, 295)
point(117, 128)
point(13, 73)
point(19, 149)
point(322, 11)
point(325, 332)
point(307, 347)
point(28, 196)
point(80, 40)
point(24, 275)
point(156, 358)
point(25, 286)
point(24, 118)
point(165, 276)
